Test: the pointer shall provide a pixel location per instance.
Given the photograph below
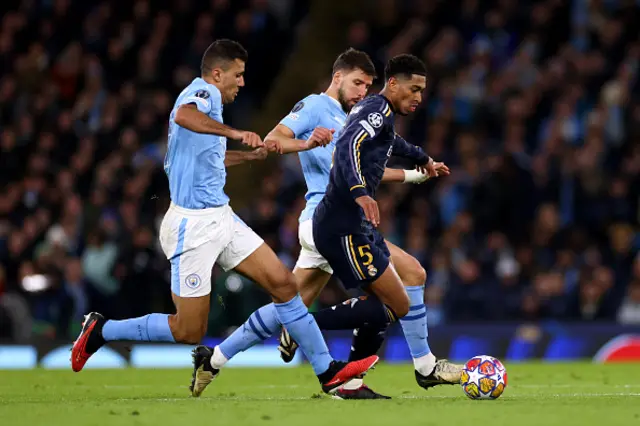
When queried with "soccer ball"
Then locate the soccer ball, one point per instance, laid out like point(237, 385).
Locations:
point(483, 377)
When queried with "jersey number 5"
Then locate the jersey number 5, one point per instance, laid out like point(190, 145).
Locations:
point(365, 254)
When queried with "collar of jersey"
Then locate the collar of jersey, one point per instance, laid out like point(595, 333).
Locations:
point(389, 102)
point(335, 101)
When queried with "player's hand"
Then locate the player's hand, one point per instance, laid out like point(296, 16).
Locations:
point(274, 145)
point(259, 154)
point(419, 176)
point(429, 168)
point(251, 139)
point(441, 169)
point(320, 136)
point(370, 208)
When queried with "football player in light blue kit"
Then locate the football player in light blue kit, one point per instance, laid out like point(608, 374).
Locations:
point(200, 229)
point(311, 129)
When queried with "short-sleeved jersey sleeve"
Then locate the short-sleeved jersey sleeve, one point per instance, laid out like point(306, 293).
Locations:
point(208, 99)
point(302, 118)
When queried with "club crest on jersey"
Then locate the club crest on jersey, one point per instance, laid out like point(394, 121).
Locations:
point(372, 270)
point(375, 119)
point(192, 281)
point(297, 107)
point(202, 94)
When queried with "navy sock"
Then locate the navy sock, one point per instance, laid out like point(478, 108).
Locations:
point(366, 342)
point(355, 313)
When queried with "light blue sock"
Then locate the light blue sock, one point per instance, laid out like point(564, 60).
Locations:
point(414, 324)
point(260, 326)
point(294, 315)
point(149, 328)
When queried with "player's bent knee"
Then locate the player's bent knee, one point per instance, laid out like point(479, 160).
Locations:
point(283, 287)
point(188, 332)
point(415, 275)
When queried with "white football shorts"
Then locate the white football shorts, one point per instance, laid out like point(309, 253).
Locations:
point(194, 240)
point(309, 257)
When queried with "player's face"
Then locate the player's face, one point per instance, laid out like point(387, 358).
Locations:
point(408, 93)
point(353, 87)
point(231, 80)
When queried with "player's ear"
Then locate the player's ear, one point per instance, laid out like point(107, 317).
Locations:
point(216, 73)
point(337, 77)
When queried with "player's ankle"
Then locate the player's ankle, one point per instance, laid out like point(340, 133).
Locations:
point(425, 364)
point(218, 359)
point(329, 373)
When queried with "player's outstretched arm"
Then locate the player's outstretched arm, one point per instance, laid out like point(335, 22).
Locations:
point(190, 118)
point(233, 158)
point(282, 139)
point(423, 162)
point(413, 176)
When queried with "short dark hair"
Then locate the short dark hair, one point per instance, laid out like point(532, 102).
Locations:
point(404, 65)
point(352, 59)
point(222, 50)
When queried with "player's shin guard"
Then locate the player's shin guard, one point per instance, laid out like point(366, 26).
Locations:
point(295, 316)
point(355, 313)
point(414, 326)
point(260, 326)
point(149, 328)
point(366, 342)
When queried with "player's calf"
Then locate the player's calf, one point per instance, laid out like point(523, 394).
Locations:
point(189, 324)
point(356, 313)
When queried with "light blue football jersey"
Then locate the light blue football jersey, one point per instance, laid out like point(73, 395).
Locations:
point(194, 162)
point(311, 112)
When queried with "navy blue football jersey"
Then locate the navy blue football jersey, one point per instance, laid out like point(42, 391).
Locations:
point(362, 151)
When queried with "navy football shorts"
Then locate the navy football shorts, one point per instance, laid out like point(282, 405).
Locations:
point(357, 259)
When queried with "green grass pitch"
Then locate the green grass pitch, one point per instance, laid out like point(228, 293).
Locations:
point(538, 394)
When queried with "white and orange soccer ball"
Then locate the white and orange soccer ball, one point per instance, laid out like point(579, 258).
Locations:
point(483, 377)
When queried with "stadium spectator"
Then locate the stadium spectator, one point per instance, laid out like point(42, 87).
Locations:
point(534, 105)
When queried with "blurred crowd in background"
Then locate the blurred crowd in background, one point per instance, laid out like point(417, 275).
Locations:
point(535, 106)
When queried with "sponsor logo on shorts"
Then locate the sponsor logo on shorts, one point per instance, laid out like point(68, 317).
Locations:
point(193, 281)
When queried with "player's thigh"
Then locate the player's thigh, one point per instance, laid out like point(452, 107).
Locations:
point(248, 255)
point(408, 268)
point(389, 289)
point(264, 267)
point(310, 282)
